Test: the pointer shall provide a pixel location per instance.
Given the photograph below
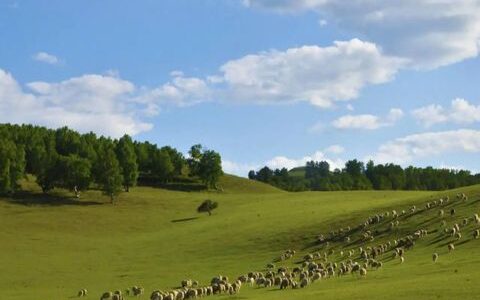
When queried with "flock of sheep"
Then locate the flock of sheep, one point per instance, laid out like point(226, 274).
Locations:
point(349, 250)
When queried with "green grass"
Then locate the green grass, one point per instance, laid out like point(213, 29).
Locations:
point(155, 238)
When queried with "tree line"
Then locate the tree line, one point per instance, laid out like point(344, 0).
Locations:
point(64, 158)
point(317, 176)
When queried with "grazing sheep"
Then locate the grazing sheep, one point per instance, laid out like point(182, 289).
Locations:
point(363, 272)
point(106, 295)
point(441, 213)
point(137, 291)
point(402, 259)
point(284, 283)
point(304, 282)
point(458, 236)
point(82, 293)
point(435, 257)
point(476, 234)
point(452, 212)
point(156, 295)
point(451, 247)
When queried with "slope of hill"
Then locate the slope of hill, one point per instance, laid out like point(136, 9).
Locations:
point(155, 238)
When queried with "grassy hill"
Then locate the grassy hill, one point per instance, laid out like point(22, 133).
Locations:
point(155, 238)
point(297, 172)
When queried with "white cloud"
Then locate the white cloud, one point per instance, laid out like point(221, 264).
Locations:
point(460, 112)
point(279, 162)
point(428, 33)
point(428, 144)
point(239, 169)
point(367, 121)
point(96, 103)
point(319, 75)
point(180, 91)
point(46, 58)
point(335, 149)
point(350, 107)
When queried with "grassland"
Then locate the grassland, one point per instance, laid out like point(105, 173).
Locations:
point(51, 247)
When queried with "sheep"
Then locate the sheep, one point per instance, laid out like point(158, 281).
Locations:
point(304, 282)
point(476, 218)
point(465, 222)
point(458, 236)
point(82, 293)
point(435, 257)
point(363, 272)
point(402, 259)
point(451, 247)
point(476, 234)
point(270, 266)
point(106, 295)
point(137, 291)
point(452, 212)
point(180, 295)
point(156, 295)
point(284, 283)
point(441, 213)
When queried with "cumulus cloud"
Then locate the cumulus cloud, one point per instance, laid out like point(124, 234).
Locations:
point(406, 149)
point(367, 121)
point(460, 112)
point(179, 91)
point(46, 58)
point(428, 33)
point(319, 75)
point(96, 103)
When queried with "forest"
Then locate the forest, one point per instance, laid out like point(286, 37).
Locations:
point(64, 158)
point(356, 175)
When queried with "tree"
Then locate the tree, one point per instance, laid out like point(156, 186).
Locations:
point(76, 173)
point(128, 161)
point(207, 206)
point(195, 152)
point(252, 175)
point(110, 177)
point(210, 168)
point(12, 165)
point(162, 166)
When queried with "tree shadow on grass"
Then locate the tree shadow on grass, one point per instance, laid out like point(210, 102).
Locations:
point(27, 198)
point(184, 220)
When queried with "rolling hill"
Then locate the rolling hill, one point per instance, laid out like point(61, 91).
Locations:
point(53, 246)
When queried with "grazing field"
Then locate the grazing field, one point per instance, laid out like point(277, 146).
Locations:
point(52, 247)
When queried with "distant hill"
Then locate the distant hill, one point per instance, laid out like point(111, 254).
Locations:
point(235, 184)
point(297, 172)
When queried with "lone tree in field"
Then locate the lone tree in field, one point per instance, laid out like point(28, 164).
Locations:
point(207, 206)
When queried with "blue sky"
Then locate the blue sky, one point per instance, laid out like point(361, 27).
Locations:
point(260, 81)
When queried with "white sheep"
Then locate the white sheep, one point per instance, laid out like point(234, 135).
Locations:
point(435, 257)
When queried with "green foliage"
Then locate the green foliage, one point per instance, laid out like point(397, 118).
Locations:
point(162, 166)
point(76, 172)
point(64, 158)
point(111, 178)
point(12, 165)
point(210, 168)
point(317, 176)
point(128, 161)
point(207, 206)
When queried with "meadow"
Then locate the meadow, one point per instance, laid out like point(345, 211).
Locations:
point(50, 247)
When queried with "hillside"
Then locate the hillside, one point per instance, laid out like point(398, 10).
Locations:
point(155, 238)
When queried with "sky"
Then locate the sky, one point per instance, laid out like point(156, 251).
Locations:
point(263, 82)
